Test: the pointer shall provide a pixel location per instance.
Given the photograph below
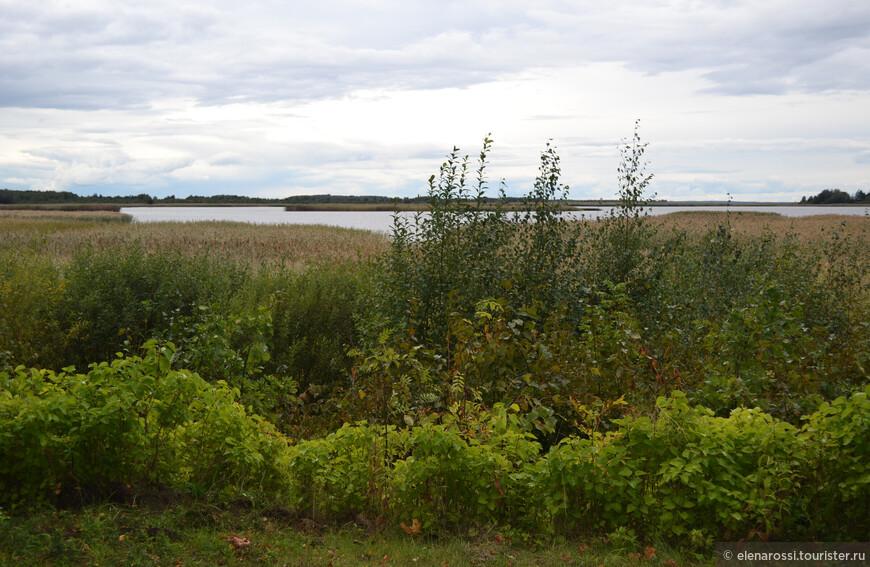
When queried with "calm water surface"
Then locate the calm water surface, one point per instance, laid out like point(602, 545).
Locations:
point(366, 220)
point(382, 221)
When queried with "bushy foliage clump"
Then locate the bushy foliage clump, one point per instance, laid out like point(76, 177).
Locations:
point(266, 332)
point(680, 471)
point(116, 298)
point(469, 247)
point(136, 421)
point(31, 289)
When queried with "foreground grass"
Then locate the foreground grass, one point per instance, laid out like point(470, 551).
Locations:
point(202, 534)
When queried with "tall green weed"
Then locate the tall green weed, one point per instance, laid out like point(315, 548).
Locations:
point(31, 289)
point(116, 299)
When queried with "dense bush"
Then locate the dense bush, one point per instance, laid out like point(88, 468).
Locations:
point(758, 321)
point(119, 297)
point(30, 291)
point(467, 248)
point(134, 421)
point(314, 321)
point(263, 331)
point(840, 467)
point(507, 356)
point(138, 422)
point(681, 471)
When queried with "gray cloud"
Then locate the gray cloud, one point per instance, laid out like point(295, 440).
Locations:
point(121, 55)
point(292, 96)
point(744, 48)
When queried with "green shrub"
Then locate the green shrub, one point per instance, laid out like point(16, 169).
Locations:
point(756, 321)
point(135, 421)
point(461, 474)
point(233, 348)
point(680, 473)
point(618, 251)
point(468, 248)
point(30, 291)
point(508, 356)
point(744, 476)
point(118, 298)
point(839, 433)
point(345, 472)
point(444, 475)
point(314, 319)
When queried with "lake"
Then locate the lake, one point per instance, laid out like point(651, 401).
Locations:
point(382, 221)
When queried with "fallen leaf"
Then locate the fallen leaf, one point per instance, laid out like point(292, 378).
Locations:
point(238, 542)
point(414, 528)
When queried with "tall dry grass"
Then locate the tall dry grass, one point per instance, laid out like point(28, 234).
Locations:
point(46, 219)
point(62, 207)
point(60, 234)
point(60, 237)
point(758, 224)
point(357, 207)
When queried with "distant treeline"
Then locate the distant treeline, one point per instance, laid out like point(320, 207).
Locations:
point(836, 197)
point(296, 199)
point(15, 197)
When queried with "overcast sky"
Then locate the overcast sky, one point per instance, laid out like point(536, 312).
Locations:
point(763, 100)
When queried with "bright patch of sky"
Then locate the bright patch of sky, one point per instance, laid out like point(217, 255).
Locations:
point(763, 101)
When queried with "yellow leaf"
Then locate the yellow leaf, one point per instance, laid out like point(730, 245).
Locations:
point(414, 528)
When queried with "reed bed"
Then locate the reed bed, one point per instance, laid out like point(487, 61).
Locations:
point(62, 207)
point(287, 245)
point(47, 219)
point(357, 207)
point(758, 224)
point(60, 234)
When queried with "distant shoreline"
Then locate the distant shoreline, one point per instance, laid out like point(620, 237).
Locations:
point(570, 205)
